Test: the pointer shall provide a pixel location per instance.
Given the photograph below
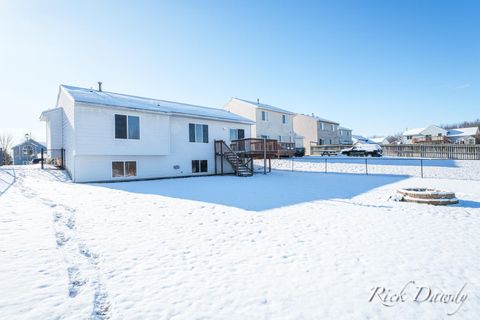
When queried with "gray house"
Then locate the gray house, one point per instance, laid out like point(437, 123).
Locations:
point(26, 151)
point(327, 131)
point(345, 135)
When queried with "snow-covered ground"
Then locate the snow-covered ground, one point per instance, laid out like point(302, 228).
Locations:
point(288, 245)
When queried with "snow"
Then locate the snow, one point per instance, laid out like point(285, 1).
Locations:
point(266, 106)
point(413, 132)
point(462, 132)
point(287, 245)
point(133, 102)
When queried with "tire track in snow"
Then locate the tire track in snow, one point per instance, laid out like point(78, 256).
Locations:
point(81, 261)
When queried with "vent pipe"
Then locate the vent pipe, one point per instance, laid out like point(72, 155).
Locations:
point(99, 86)
point(258, 101)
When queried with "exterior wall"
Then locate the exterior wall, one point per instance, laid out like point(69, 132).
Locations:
point(54, 129)
point(329, 134)
point(95, 132)
point(305, 127)
point(96, 164)
point(273, 127)
point(66, 102)
point(345, 136)
point(245, 110)
point(19, 158)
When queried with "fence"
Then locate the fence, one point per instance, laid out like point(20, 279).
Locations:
point(53, 158)
point(437, 151)
point(414, 167)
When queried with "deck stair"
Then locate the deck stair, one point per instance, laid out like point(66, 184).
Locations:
point(240, 168)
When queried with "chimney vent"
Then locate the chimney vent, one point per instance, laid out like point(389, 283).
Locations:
point(99, 86)
point(258, 101)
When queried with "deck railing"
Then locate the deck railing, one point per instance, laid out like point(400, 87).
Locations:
point(257, 146)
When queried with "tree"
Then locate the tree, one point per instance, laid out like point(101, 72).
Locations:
point(5, 144)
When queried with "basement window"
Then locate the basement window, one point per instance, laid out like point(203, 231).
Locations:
point(124, 169)
point(199, 166)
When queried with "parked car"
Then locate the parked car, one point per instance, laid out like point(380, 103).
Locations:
point(363, 150)
point(36, 161)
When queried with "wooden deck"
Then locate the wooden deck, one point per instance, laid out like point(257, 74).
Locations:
point(260, 148)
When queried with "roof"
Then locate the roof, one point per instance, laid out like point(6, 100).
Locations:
point(266, 106)
point(379, 139)
point(413, 132)
point(47, 112)
point(343, 128)
point(113, 99)
point(31, 141)
point(461, 132)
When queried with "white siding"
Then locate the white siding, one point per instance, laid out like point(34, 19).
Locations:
point(95, 132)
point(54, 129)
point(99, 167)
point(65, 102)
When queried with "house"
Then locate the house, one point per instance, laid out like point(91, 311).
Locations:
point(430, 134)
point(25, 152)
point(1, 157)
point(361, 139)
point(306, 132)
point(464, 135)
point(345, 135)
point(327, 131)
point(380, 140)
point(109, 136)
point(269, 122)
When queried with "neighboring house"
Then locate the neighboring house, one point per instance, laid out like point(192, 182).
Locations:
point(25, 152)
point(306, 133)
point(380, 140)
point(110, 136)
point(431, 134)
point(270, 122)
point(1, 157)
point(328, 132)
point(345, 135)
point(464, 135)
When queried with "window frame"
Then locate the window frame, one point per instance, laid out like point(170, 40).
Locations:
point(264, 115)
point(198, 129)
point(124, 168)
point(284, 118)
point(199, 166)
point(127, 127)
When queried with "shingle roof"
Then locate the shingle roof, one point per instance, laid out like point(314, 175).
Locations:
point(413, 132)
point(113, 99)
point(266, 106)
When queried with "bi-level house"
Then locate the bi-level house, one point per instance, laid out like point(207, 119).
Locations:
point(269, 122)
point(26, 151)
point(111, 136)
point(430, 134)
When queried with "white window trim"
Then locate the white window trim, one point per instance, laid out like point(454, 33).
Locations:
point(127, 138)
point(124, 168)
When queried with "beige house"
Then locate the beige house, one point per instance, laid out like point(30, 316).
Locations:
point(270, 122)
point(312, 130)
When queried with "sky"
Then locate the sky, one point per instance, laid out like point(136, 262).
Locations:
point(377, 67)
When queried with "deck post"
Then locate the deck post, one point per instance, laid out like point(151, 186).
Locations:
point(269, 164)
point(264, 156)
point(41, 159)
point(421, 167)
point(221, 157)
point(215, 153)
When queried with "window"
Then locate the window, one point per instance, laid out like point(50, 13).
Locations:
point(124, 169)
point(439, 134)
point(264, 116)
point(199, 166)
point(263, 137)
point(321, 126)
point(279, 138)
point(198, 132)
point(27, 150)
point(127, 127)
point(236, 134)
point(284, 118)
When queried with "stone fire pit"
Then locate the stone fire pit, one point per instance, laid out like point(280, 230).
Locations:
point(427, 196)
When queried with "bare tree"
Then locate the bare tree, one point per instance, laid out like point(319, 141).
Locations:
point(5, 144)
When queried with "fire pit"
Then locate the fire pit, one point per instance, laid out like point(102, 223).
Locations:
point(427, 196)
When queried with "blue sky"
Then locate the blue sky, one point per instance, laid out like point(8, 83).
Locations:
point(374, 66)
